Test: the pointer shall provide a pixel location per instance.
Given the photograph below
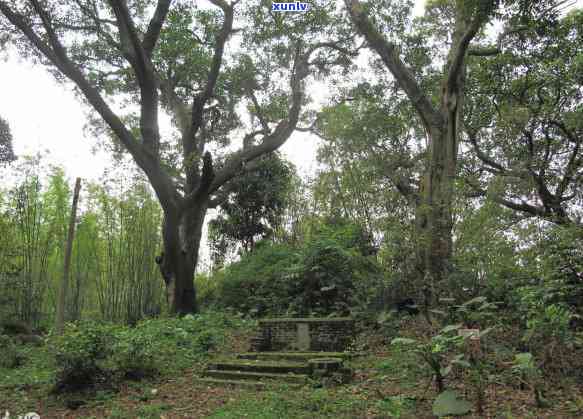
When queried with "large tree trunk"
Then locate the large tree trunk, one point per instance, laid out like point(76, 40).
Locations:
point(182, 232)
point(436, 219)
point(439, 189)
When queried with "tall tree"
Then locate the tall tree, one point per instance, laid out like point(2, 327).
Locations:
point(6, 150)
point(252, 208)
point(173, 54)
point(441, 118)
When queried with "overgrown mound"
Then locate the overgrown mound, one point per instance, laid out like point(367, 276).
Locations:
point(331, 271)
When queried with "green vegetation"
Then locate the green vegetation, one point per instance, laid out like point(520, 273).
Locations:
point(444, 217)
point(328, 271)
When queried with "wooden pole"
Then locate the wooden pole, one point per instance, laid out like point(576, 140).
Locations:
point(61, 302)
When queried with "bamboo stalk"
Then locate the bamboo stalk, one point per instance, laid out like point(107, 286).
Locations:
point(60, 320)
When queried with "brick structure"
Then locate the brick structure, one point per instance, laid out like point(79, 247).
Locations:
point(304, 334)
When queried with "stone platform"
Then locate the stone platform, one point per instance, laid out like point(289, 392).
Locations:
point(295, 351)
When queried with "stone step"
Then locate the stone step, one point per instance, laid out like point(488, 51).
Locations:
point(261, 367)
point(256, 376)
point(294, 356)
point(217, 382)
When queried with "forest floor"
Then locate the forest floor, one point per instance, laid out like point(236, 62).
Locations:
point(388, 383)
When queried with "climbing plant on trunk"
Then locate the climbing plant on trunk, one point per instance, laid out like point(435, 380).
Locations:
point(174, 55)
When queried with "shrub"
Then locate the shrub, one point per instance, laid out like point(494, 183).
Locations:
point(80, 354)
point(528, 374)
point(435, 353)
point(133, 354)
point(206, 289)
point(89, 354)
point(326, 274)
point(14, 327)
point(11, 357)
point(256, 284)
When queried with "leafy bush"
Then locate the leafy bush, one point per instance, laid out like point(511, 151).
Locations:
point(323, 278)
point(90, 354)
point(133, 354)
point(11, 357)
point(328, 273)
point(547, 328)
point(255, 284)
point(550, 323)
point(557, 274)
point(14, 327)
point(206, 289)
point(544, 318)
point(526, 371)
point(562, 265)
point(80, 354)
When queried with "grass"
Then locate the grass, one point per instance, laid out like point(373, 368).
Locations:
point(38, 369)
point(305, 403)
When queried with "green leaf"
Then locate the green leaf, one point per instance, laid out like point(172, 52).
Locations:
point(449, 403)
point(461, 363)
point(447, 300)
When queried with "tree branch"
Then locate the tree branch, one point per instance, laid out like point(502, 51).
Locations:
point(189, 142)
point(484, 52)
point(259, 112)
point(490, 51)
point(459, 53)
point(57, 55)
point(276, 138)
point(472, 136)
point(523, 206)
point(388, 52)
point(144, 71)
point(574, 160)
point(94, 16)
point(177, 106)
point(155, 26)
point(21, 23)
point(335, 46)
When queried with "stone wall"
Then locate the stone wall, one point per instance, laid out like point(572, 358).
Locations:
point(304, 334)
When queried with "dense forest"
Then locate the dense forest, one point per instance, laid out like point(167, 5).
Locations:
point(445, 218)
